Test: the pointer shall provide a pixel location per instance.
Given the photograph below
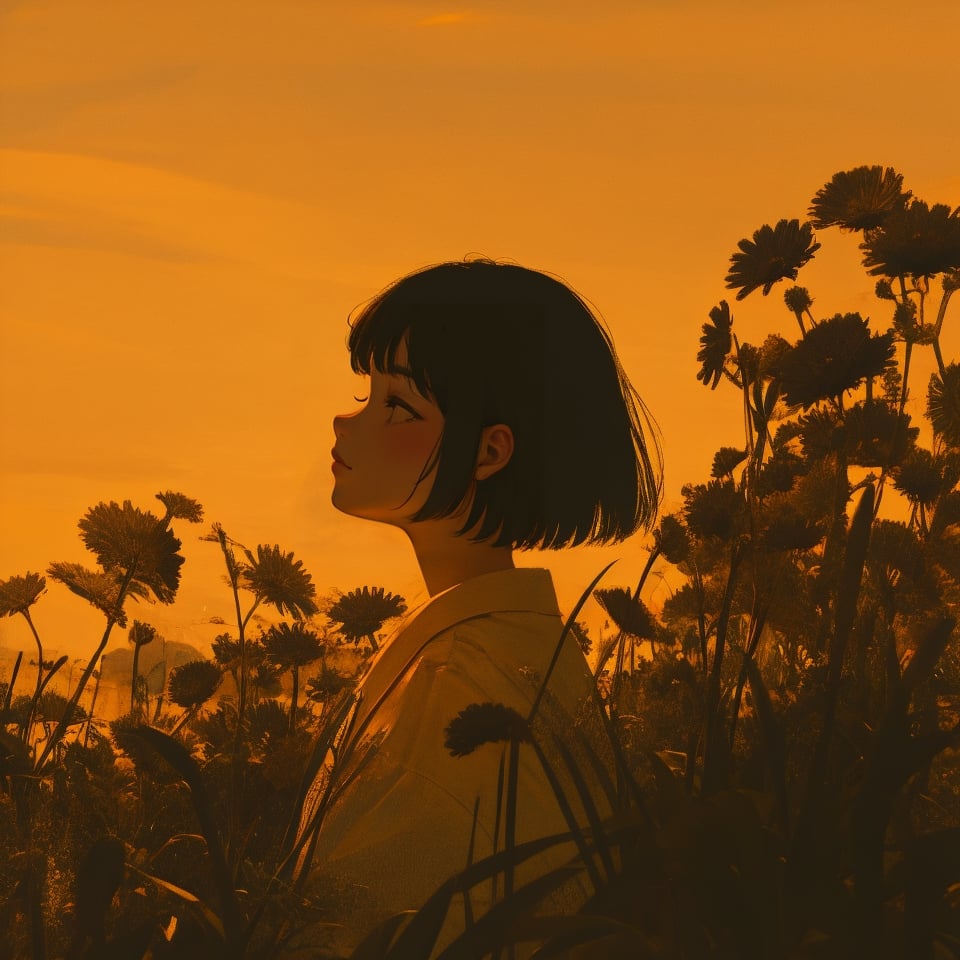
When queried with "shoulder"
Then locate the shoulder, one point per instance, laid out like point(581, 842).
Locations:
point(504, 657)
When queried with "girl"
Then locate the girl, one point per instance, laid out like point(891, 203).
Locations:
point(498, 418)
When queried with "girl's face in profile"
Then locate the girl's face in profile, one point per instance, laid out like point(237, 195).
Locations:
point(384, 447)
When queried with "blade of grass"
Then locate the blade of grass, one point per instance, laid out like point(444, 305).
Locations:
point(563, 636)
point(179, 758)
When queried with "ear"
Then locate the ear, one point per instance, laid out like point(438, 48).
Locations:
point(496, 448)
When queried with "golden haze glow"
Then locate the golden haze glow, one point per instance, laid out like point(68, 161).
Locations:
point(195, 196)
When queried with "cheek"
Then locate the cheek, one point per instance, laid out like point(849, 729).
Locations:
point(411, 446)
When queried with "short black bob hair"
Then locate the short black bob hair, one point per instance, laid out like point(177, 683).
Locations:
point(493, 342)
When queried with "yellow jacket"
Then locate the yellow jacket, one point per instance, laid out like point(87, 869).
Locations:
point(400, 811)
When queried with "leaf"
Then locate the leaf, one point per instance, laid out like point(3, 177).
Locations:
point(179, 758)
point(613, 937)
point(208, 914)
point(563, 635)
point(495, 928)
point(773, 742)
point(420, 935)
point(375, 945)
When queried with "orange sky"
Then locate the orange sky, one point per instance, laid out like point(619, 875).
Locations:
point(193, 197)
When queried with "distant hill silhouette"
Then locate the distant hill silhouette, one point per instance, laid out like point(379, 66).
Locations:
point(115, 667)
point(116, 664)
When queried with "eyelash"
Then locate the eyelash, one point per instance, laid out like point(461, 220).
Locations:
point(393, 403)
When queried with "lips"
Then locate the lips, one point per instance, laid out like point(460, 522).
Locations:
point(338, 459)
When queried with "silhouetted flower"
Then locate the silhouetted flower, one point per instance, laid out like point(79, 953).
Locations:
point(361, 613)
point(672, 539)
point(917, 241)
point(822, 433)
point(628, 614)
point(226, 650)
point(833, 357)
point(713, 510)
point(858, 199)
point(877, 435)
point(19, 593)
point(276, 578)
point(482, 723)
point(884, 291)
point(773, 349)
point(920, 477)
point(180, 507)
point(815, 492)
point(905, 322)
point(268, 720)
point(715, 343)
point(326, 684)
point(943, 404)
point(98, 588)
point(895, 557)
point(775, 253)
point(54, 707)
point(748, 362)
point(141, 634)
point(726, 460)
point(778, 474)
point(265, 678)
point(791, 530)
point(798, 300)
point(134, 541)
point(292, 646)
point(193, 683)
point(685, 603)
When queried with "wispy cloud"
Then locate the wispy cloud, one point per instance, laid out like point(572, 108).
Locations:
point(448, 19)
point(71, 234)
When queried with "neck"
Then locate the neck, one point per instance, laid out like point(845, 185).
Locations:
point(446, 560)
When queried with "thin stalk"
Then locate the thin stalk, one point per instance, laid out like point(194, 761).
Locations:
point(188, 715)
point(36, 637)
point(701, 619)
point(940, 364)
point(712, 704)
point(942, 312)
point(112, 618)
point(510, 818)
point(13, 679)
point(907, 353)
point(93, 702)
point(758, 621)
point(133, 678)
point(467, 904)
point(501, 775)
point(563, 636)
point(36, 695)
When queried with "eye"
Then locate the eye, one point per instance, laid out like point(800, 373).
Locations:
point(393, 402)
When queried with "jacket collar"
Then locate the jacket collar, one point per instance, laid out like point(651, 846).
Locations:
point(517, 590)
